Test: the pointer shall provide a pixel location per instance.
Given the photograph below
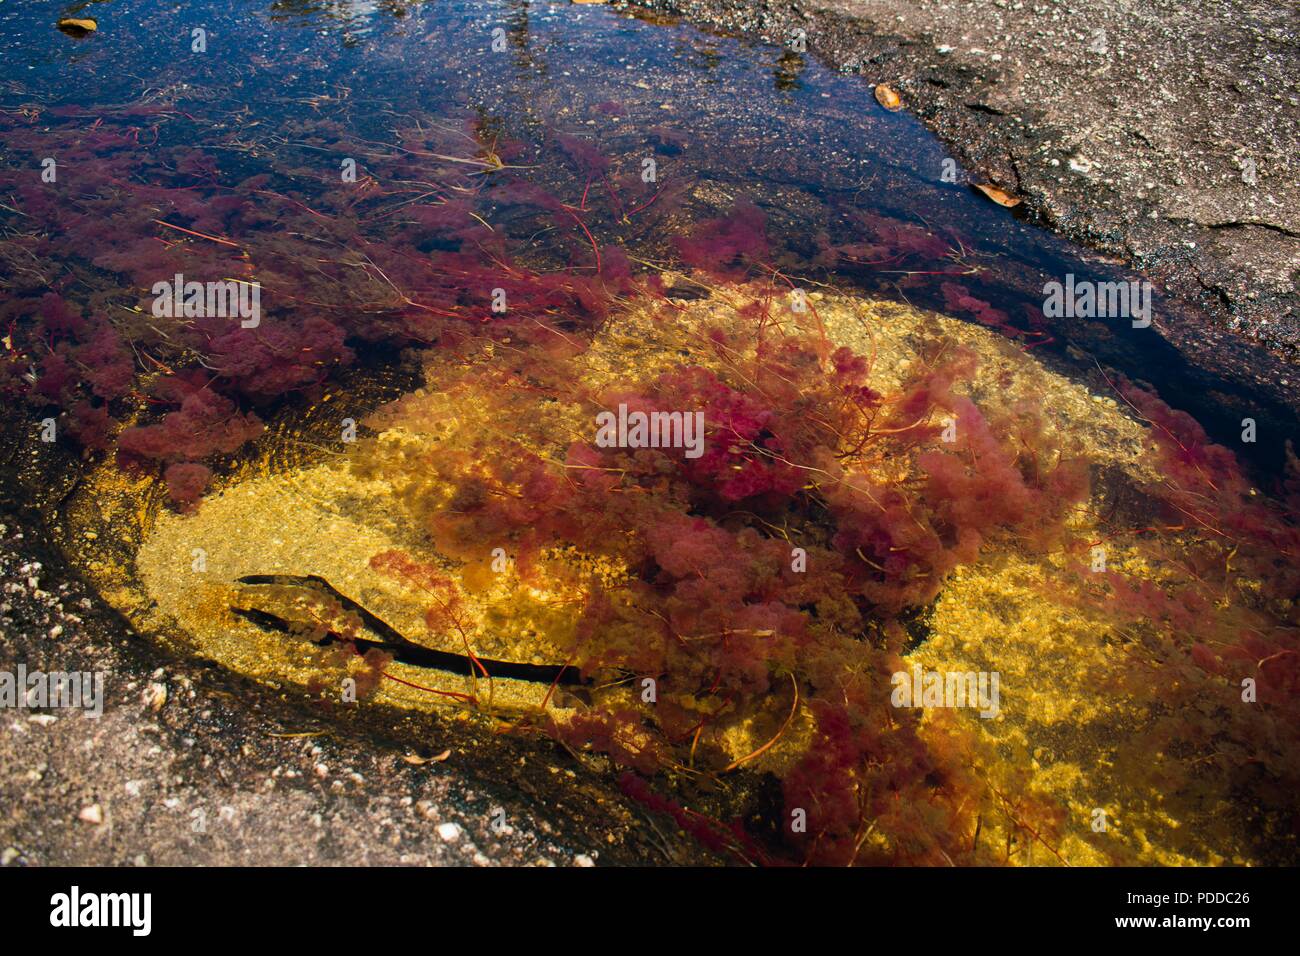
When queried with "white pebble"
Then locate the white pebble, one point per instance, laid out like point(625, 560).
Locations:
point(450, 832)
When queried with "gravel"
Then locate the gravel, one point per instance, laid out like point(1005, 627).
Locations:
point(189, 765)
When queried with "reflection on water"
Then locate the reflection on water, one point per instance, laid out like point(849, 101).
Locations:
point(556, 209)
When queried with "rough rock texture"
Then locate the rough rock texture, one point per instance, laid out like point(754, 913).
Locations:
point(191, 766)
point(1131, 125)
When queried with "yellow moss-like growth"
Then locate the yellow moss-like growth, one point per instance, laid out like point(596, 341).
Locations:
point(1070, 715)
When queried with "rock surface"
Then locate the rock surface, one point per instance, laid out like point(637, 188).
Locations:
point(217, 771)
point(1164, 133)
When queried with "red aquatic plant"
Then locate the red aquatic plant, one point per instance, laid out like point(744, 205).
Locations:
point(800, 452)
point(204, 424)
point(729, 246)
point(186, 482)
point(335, 266)
point(1200, 587)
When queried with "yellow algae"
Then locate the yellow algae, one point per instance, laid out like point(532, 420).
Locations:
point(1065, 718)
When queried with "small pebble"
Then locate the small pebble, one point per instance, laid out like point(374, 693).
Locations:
point(450, 832)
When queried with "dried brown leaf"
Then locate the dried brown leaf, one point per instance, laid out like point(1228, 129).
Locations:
point(78, 26)
point(1001, 197)
point(888, 98)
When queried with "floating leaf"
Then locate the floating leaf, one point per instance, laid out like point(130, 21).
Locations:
point(77, 27)
point(887, 98)
point(998, 196)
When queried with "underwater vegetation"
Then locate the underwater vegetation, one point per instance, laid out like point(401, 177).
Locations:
point(770, 583)
point(719, 608)
point(751, 603)
point(466, 220)
point(398, 265)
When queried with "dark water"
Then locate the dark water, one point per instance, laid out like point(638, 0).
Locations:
point(293, 89)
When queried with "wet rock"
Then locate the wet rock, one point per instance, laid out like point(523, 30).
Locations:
point(1163, 134)
point(217, 782)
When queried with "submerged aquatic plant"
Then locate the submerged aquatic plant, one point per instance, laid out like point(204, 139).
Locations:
point(768, 583)
point(415, 262)
point(762, 582)
point(765, 587)
point(448, 227)
point(1201, 584)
